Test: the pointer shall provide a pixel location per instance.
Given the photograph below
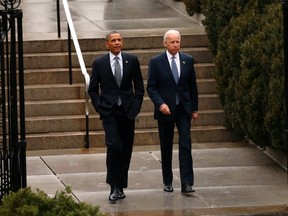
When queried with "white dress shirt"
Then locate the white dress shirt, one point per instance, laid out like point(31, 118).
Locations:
point(113, 61)
point(177, 60)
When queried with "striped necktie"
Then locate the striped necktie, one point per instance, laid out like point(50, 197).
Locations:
point(175, 75)
point(117, 71)
point(174, 70)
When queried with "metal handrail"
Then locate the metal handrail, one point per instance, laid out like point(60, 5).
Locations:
point(58, 18)
point(82, 65)
point(285, 42)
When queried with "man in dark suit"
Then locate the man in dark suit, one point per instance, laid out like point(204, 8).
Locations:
point(172, 88)
point(116, 90)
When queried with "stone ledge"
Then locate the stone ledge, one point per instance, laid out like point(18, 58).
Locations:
point(278, 157)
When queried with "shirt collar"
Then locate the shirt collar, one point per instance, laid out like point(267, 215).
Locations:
point(112, 56)
point(169, 56)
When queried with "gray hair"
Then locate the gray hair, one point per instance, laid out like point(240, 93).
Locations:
point(172, 31)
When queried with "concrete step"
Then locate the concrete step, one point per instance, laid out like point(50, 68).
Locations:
point(68, 140)
point(48, 124)
point(46, 92)
point(76, 91)
point(61, 75)
point(60, 59)
point(46, 76)
point(55, 110)
point(130, 42)
point(77, 106)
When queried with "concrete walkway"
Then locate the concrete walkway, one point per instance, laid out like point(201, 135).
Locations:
point(94, 18)
point(230, 178)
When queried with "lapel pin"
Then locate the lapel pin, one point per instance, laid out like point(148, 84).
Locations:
point(183, 62)
point(126, 62)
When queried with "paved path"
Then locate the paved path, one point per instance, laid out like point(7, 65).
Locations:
point(230, 178)
point(94, 18)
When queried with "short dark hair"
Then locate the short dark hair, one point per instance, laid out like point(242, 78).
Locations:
point(111, 32)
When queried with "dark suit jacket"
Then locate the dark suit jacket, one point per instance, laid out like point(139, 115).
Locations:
point(162, 87)
point(104, 91)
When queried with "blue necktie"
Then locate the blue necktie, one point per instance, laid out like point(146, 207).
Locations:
point(174, 69)
point(175, 75)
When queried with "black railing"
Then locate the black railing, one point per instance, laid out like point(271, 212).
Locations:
point(285, 37)
point(58, 18)
point(12, 135)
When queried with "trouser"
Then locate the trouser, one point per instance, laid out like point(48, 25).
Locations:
point(119, 137)
point(166, 134)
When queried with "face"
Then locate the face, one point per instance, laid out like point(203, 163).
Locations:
point(114, 43)
point(172, 43)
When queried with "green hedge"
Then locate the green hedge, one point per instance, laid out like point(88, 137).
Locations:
point(218, 16)
point(24, 202)
point(262, 61)
point(194, 6)
point(246, 38)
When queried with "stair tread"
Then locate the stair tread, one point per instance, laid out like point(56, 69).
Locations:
point(34, 70)
point(56, 85)
point(64, 103)
point(28, 118)
point(142, 130)
point(153, 50)
point(55, 101)
point(82, 99)
point(66, 85)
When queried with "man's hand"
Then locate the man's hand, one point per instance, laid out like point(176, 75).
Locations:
point(165, 109)
point(194, 116)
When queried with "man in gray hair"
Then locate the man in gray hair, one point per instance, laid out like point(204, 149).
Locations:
point(173, 89)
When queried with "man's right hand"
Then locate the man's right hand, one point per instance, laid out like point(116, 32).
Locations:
point(165, 109)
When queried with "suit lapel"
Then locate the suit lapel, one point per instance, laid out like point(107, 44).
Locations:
point(166, 65)
point(109, 69)
point(124, 64)
point(108, 65)
point(182, 65)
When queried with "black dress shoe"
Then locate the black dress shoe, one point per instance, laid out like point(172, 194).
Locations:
point(168, 188)
point(113, 197)
point(121, 194)
point(186, 188)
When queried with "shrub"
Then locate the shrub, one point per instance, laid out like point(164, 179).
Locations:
point(24, 202)
point(247, 42)
point(218, 15)
point(228, 70)
point(195, 6)
point(262, 58)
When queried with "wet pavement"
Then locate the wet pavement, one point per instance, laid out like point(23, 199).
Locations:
point(230, 178)
point(93, 18)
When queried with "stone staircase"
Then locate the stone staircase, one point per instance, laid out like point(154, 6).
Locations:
point(55, 110)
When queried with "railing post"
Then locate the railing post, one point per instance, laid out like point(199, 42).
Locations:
point(22, 143)
point(58, 18)
point(12, 112)
point(15, 169)
point(285, 37)
point(87, 142)
point(69, 54)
